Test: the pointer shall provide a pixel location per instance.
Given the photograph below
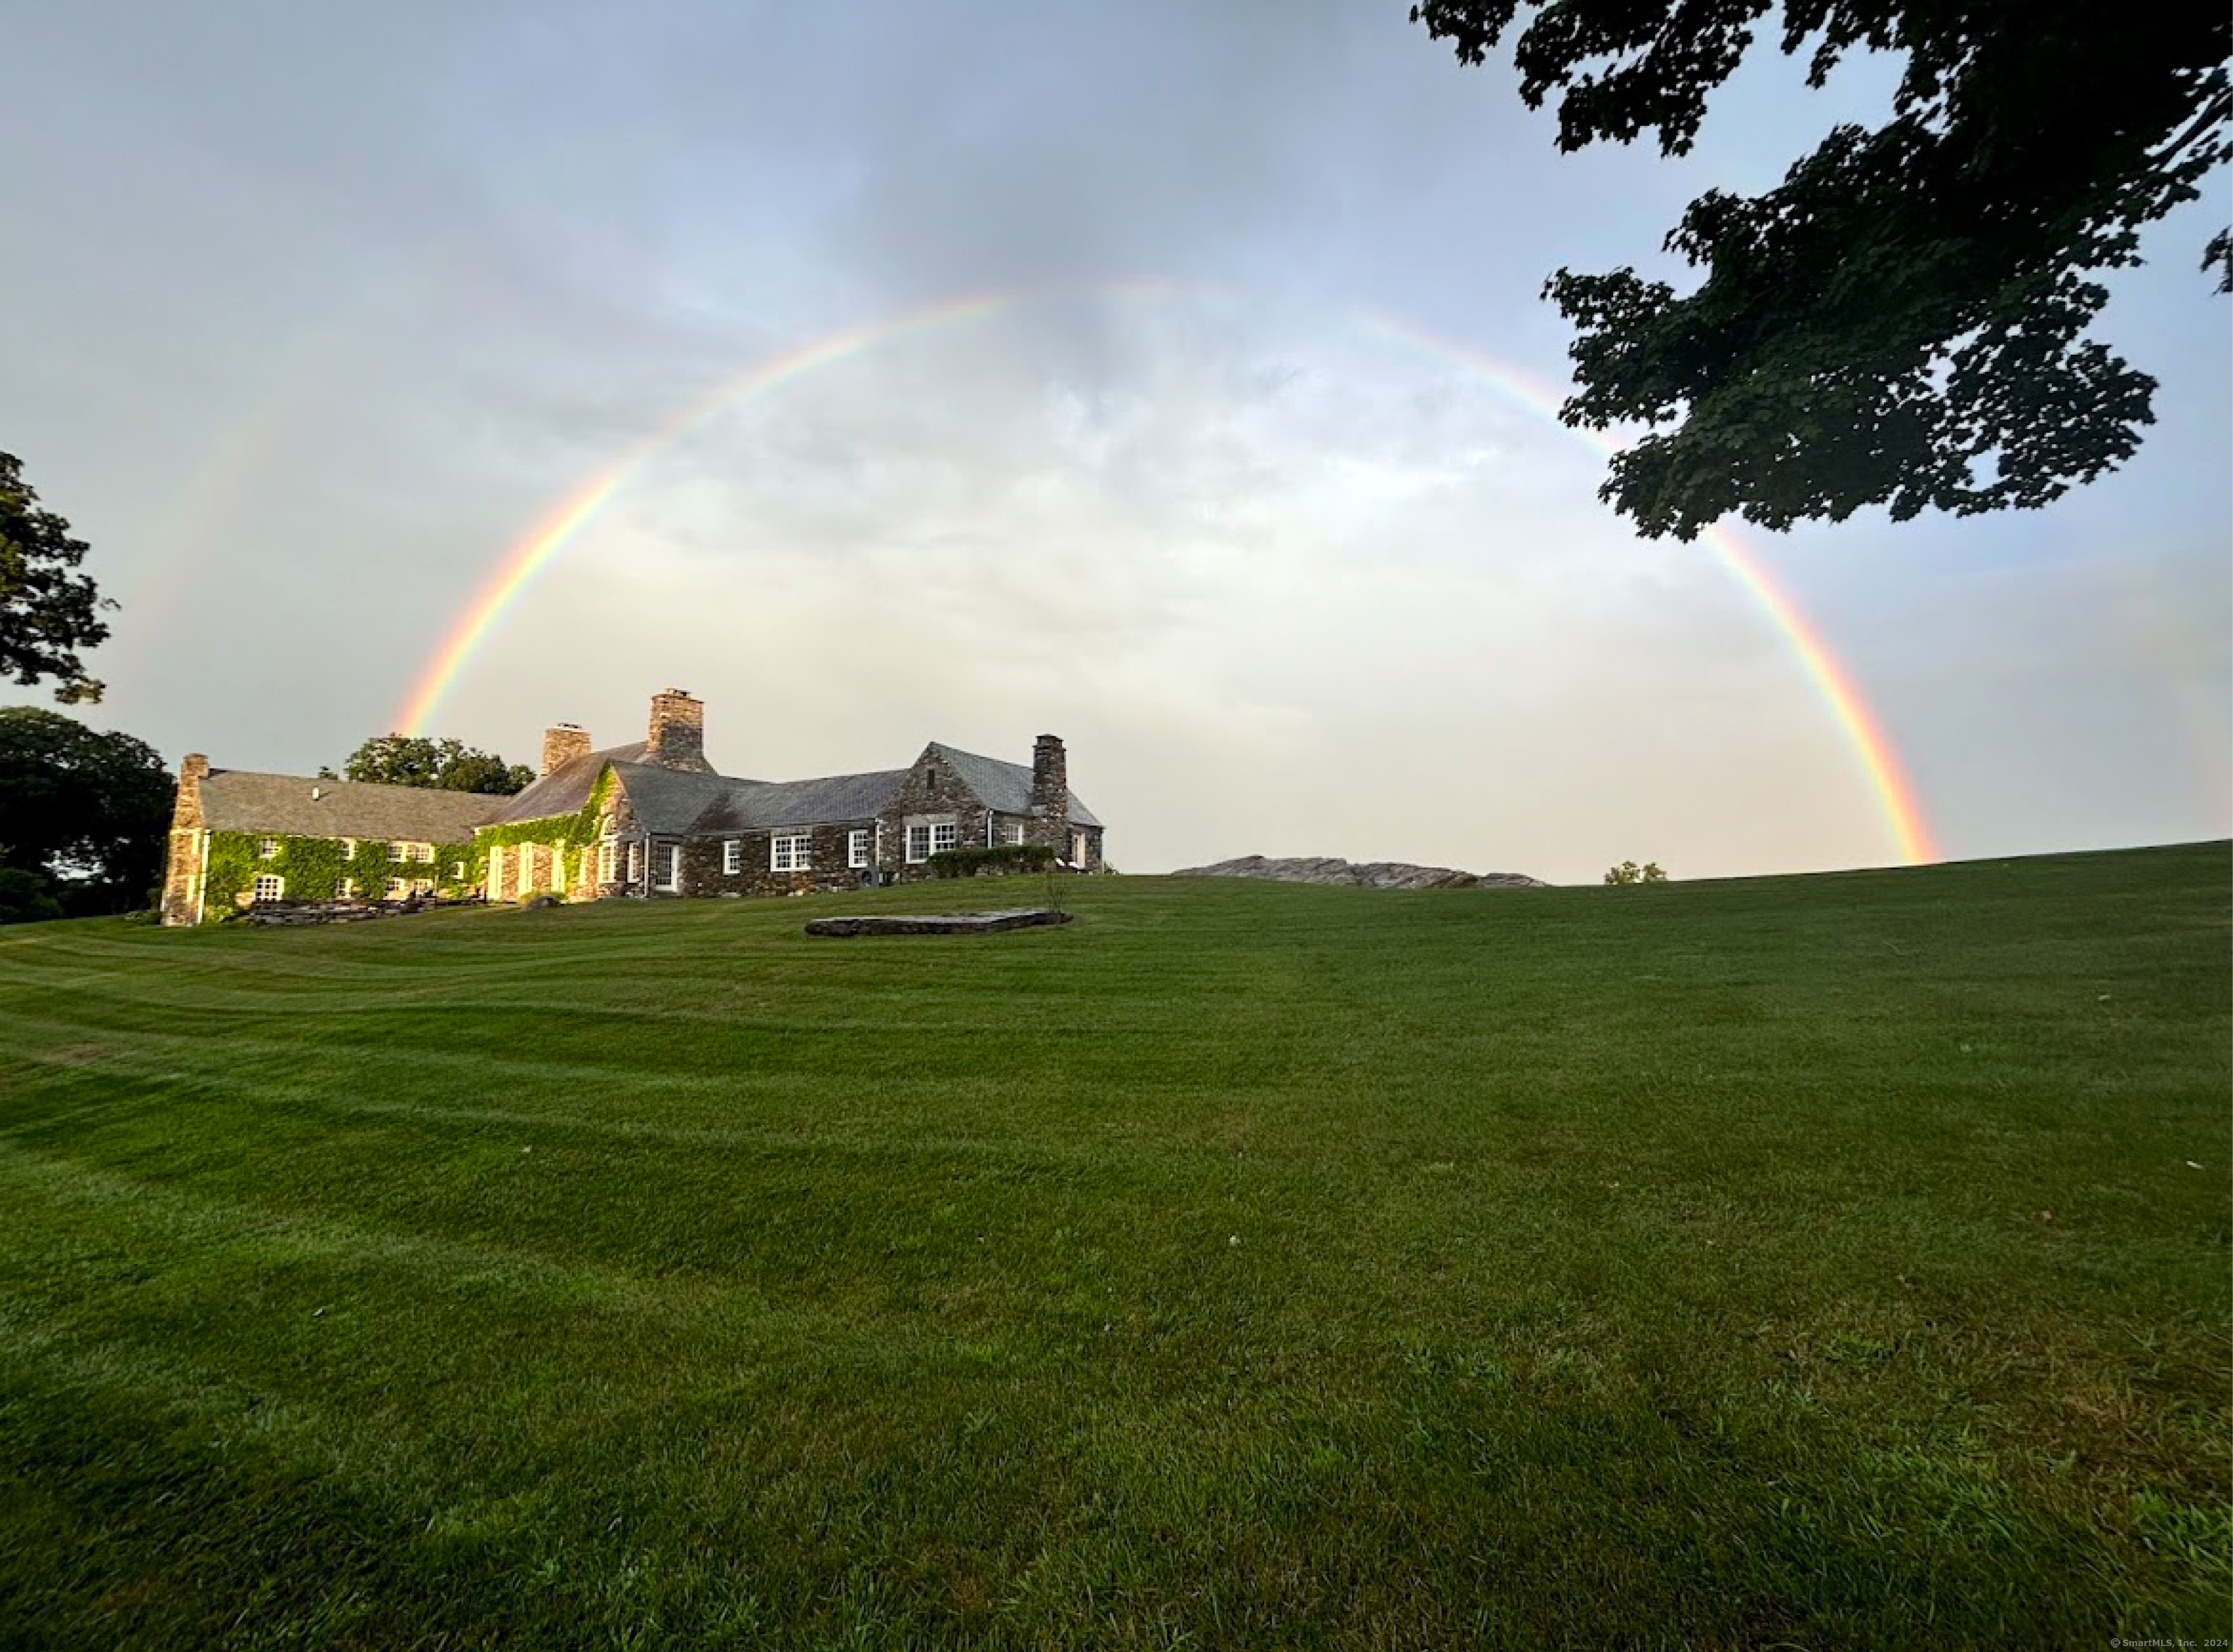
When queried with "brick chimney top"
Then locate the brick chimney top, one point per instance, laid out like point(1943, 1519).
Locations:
point(563, 743)
point(196, 767)
point(677, 738)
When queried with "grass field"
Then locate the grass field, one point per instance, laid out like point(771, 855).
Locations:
point(1834, 1262)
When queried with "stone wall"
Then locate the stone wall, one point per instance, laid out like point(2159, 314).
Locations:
point(1089, 837)
point(703, 859)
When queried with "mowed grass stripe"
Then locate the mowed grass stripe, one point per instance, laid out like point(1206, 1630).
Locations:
point(1816, 1260)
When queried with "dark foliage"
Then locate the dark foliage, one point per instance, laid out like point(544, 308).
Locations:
point(441, 766)
point(26, 897)
point(995, 858)
point(86, 812)
point(1901, 321)
point(46, 611)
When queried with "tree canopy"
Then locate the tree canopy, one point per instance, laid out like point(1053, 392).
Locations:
point(1901, 321)
point(441, 766)
point(47, 612)
point(84, 812)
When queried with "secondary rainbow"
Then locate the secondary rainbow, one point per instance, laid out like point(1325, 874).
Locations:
point(1887, 779)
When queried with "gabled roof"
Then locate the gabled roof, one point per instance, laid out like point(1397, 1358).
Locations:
point(1004, 786)
point(240, 800)
point(669, 800)
point(566, 788)
point(829, 801)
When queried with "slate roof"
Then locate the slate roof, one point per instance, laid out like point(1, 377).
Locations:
point(240, 800)
point(1004, 786)
point(566, 788)
point(676, 802)
point(805, 803)
point(666, 800)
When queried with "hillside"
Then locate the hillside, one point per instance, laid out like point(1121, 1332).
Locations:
point(1372, 874)
point(1838, 1261)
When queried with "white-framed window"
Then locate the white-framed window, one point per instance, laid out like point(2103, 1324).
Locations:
point(457, 871)
point(349, 849)
point(670, 867)
point(423, 853)
point(918, 848)
point(345, 890)
point(1077, 843)
point(857, 847)
point(946, 834)
point(1012, 831)
point(635, 865)
point(267, 848)
point(399, 851)
point(422, 885)
point(270, 885)
point(794, 853)
point(395, 887)
point(732, 856)
point(605, 848)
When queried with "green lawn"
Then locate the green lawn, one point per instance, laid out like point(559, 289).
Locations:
point(1823, 1262)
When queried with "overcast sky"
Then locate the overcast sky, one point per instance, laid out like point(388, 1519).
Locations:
point(310, 313)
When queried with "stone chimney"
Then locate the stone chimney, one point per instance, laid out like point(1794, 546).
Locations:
point(186, 811)
point(1051, 793)
point(563, 743)
point(678, 731)
point(186, 851)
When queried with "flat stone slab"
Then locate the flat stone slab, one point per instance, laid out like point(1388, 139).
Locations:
point(941, 923)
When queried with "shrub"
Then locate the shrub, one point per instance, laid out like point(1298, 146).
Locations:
point(998, 859)
point(1630, 872)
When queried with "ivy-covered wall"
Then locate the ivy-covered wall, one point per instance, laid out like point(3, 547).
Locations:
point(574, 836)
point(314, 867)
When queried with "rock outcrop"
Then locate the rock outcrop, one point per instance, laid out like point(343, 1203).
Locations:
point(1373, 874)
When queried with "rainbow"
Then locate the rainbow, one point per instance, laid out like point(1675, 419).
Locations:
point(1887, 776)
point(529, 553)
point(1887, 779)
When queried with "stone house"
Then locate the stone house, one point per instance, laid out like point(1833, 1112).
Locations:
point(237, 836)
point(653, 819)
